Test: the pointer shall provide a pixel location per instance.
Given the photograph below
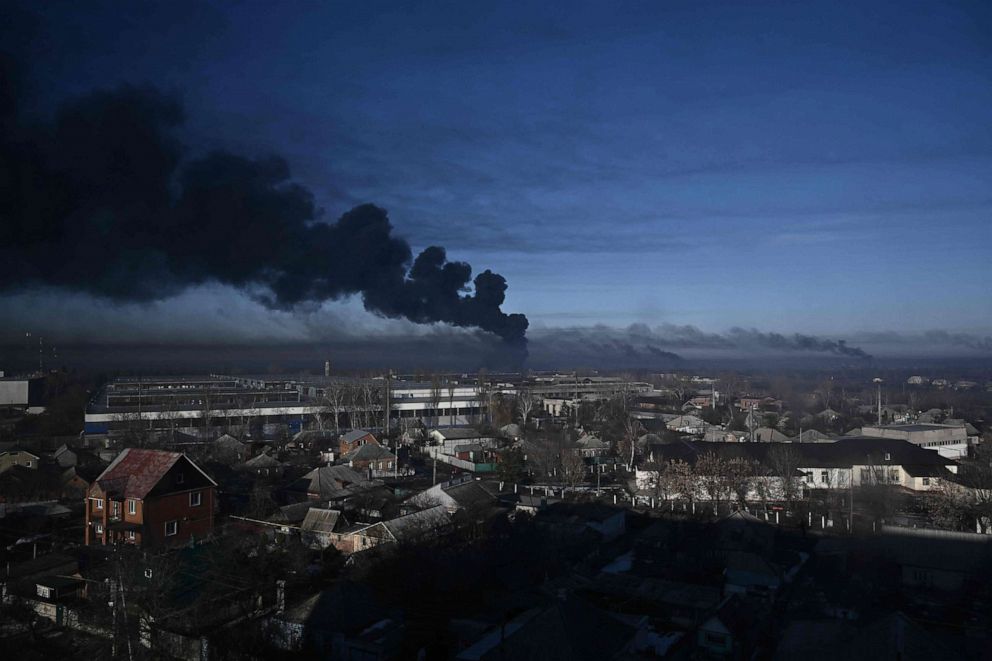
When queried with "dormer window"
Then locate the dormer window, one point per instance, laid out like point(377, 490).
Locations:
point(888, 456)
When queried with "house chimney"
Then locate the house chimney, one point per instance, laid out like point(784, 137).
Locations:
point(327, 368)
point(280, 596)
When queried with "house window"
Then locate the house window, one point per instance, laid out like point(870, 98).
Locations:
point(893, 475)
point(171, 528)
point(28, 463)
point(132, 506)
point(809, 477)
point(824, 477)
point(115, 508)
point(130, 535)
point(44, 592)
point(888, 456)
point(99, 528)
point(180, 478)
point(195, 498)
point(148, 573)
point(98, 503)
point(926, 481)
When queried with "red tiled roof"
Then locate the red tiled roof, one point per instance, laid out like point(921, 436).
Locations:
point(136, 472)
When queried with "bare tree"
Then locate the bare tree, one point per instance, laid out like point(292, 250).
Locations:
point(485, 394)
point(964, 501)
point(784, 461)
point(573, 468)
point(946, 506)
point(526, 401)
point(206, 410)
point(170, 414)
point(659, 482)
point(681, 387)
point(825, 390)
point(741, 476)
point(435, 399)
point(451, 402)
point(542, 456)
point(371, 402)
point(628, 441)
point(260, 502)
point(332, 401)
point(680, 478)
point(712, 470)
point(353, 399)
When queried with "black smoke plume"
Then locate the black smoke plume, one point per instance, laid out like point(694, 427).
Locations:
point(639, 341)
point(744, 337)
point(965, 340)
point(105, 200)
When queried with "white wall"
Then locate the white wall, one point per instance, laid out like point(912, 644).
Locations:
point(14, 393)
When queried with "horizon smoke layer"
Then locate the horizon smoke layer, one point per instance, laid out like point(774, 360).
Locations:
point(640, 338)
point(105, 200)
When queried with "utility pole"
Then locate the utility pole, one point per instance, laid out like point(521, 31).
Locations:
point(878, 382)
point(750, 422)
point(387, 410)
point(385, 424)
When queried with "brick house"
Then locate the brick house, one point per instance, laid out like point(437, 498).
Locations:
point(355, 439)
point(18, 457)
point(371, 457)
point(150, 498)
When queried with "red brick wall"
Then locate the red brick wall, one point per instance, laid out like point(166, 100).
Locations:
point(93, 515)
point(191, 521)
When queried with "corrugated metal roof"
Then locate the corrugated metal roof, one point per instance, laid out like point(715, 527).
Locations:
point(135, 472)
point(320, 520)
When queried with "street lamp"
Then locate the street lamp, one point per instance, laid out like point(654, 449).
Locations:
point(878, 383)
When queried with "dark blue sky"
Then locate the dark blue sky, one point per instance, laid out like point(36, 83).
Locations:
point(798, 167)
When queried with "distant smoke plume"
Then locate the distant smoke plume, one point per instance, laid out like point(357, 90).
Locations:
point(940, 341)
point(105, 200)
point(966, 340)
point(638, 341)
point(744, 338)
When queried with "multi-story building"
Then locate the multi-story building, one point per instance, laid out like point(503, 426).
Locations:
point(24, 393)
point(193, 405)
point(265, 405)
point(949, 440)
point(150, 498)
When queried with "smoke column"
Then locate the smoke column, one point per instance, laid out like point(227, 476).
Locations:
point(105, 200)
